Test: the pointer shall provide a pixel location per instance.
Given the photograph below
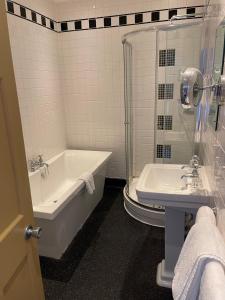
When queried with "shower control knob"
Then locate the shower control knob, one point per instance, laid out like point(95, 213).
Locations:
point(32, 232)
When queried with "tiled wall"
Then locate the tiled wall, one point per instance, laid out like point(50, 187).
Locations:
point(213, 147)
point(46, 7)
point(83, 70)
point(155, 96)
point(92, 79)
point(78, 9)
point(180, 54)
point(142, 100)
point(37, 71)
point(99, 99)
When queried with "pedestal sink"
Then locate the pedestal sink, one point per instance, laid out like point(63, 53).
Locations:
point(161, 184)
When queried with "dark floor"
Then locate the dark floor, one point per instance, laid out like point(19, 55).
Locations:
point(114, 257)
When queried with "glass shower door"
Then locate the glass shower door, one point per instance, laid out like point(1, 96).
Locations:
point(158, 128)
point(175, 130)
point(127, 52)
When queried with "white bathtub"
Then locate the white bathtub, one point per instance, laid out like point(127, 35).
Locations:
point(61, 203)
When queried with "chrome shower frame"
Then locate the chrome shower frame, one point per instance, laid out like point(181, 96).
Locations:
point(143, 213)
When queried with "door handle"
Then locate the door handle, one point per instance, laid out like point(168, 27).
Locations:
point(32, 232)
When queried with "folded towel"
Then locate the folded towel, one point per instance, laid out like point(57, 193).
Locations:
point(89, 182)
point(203, 244)
point(205, 214)
point(213, 282)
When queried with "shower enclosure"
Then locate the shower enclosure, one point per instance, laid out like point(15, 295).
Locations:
point(158, 128)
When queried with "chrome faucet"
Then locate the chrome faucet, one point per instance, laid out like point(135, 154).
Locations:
point(195, 161)
point(41, 162)
point(194, 164)
point(193, 174)
point(33, 164)
point(36, 163)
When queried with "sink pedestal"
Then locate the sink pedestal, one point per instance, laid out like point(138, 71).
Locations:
point(161, 184)
point(174, 239)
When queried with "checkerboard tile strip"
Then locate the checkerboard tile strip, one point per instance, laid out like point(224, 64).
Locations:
point(30, 15)
point(137, 18)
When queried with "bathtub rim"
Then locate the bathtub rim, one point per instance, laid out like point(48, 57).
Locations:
point(50, 212)
point(68, 151)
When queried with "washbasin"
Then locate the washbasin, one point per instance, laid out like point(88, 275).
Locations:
point(162, 184)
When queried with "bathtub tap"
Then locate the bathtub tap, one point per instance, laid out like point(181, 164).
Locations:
point(42, 163)
point(43, 166)
point(35, 164)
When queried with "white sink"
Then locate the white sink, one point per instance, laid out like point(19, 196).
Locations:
point(162, 184)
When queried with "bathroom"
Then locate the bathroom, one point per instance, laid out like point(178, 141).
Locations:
point(112, 152)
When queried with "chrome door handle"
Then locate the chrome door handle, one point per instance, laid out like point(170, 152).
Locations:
point(32, 232)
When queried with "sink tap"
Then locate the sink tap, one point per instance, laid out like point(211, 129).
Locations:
point(194, 164)
point(195, 161)
point(193, 174)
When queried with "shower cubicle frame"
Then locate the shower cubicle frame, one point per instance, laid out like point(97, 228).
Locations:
point(148, 215)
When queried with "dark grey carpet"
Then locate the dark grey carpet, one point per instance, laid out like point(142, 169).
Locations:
point(114, 257)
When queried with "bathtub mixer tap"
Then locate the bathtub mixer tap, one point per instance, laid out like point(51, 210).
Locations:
point(41, 161)
point(32, 164)
point(38, 163)
point(43, 166)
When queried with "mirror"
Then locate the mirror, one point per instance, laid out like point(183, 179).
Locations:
point(191, 87)
point(217, 72)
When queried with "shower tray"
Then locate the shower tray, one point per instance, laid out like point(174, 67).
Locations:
point(151, 214)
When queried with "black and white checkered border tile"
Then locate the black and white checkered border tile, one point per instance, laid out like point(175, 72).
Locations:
point(127, 19)
point(138, 18)
point(30, 15)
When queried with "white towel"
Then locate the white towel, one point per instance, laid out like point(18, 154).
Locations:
point(205, 214)
point(204, 243)
point(89, 182)
point(213, 282)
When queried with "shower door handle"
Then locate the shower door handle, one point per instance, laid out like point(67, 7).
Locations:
point(32, 232)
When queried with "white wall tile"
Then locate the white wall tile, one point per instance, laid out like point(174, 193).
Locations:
point(35, 59)
point(213, 142)
point(82, 73)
